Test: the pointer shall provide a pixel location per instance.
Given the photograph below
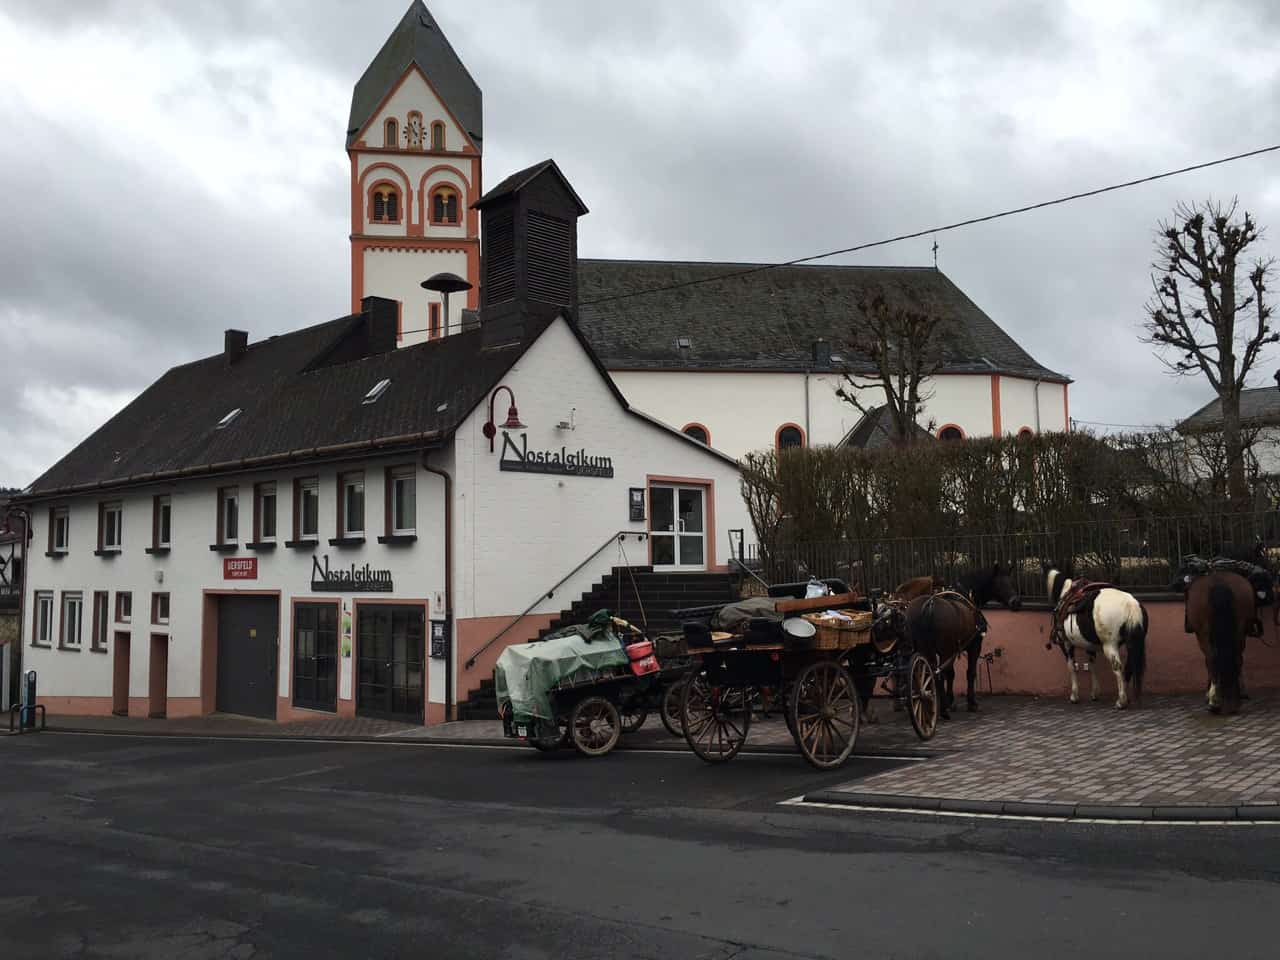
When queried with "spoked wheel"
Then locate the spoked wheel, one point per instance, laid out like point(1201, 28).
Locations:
point(715, 720)
point(924, 697)
point(594, 726)
point(671, 698)
point(633, 717)
point(824, 714)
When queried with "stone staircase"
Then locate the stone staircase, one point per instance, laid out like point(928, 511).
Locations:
point(646, 599)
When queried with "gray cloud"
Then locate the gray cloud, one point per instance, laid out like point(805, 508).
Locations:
point(196, 178)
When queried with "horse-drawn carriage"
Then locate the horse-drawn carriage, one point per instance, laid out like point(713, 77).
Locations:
point(824, 657)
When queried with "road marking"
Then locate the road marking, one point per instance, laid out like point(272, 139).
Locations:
point(295, 776)
point(76, 796)
point(859, 808)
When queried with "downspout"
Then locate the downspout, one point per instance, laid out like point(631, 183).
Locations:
point(448, 582)
point(1036, 394)
point(807, 432)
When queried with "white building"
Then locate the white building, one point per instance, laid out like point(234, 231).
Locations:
point(745, 362)
point(285, 527)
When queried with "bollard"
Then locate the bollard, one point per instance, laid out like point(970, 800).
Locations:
point(27, 714)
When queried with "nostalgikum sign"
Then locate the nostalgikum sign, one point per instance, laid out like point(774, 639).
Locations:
point(350, 579)
point(566, 462)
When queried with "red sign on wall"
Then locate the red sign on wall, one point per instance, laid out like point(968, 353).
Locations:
point(240, 568)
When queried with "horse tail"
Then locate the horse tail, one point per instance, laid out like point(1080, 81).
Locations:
point(1134, 636)
point(1222, 635)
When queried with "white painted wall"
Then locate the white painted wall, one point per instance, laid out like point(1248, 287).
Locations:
point(518, 533)
point(408, 170)
point(415, 94)
point(191, 568)
point(398, 274)
point(1018, 405)
point(743, 411)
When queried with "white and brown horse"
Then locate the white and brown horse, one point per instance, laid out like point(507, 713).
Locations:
point(1103, 619)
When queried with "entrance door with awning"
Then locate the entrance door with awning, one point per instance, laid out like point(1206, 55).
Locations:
point(678, 527)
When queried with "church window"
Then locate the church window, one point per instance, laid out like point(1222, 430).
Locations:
point(950, 432)
point(698, 432)
point(391, 134)
point(444, 205)
point(413, 130)
point(789, 436)
point(437, 136)
point(385, 204)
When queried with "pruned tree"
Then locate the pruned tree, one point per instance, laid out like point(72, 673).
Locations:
point(1199, 322)
point(903, 344)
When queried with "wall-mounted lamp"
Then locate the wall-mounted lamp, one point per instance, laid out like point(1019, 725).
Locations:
point(513, 416)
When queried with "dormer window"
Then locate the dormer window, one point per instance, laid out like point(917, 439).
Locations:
point(376, 391)
point(227, 420)
point(683, 343)
point(444, 205)
point(413, 130)
point(391, 134)
point(437, 135)
point(385, 203)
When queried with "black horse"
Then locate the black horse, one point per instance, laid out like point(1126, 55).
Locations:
point(981, 587)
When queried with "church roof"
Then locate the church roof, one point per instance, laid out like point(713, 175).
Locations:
point(769, 319)
point(418, 39)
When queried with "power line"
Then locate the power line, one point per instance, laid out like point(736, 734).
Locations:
point(1122, 426)
point(760, 268)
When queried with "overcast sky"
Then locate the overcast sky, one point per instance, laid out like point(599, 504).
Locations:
point(170, 169)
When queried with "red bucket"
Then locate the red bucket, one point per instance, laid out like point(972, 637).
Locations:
point(645, 665)
point(639, 650)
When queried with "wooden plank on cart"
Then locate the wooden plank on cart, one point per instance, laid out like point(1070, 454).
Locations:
point(832, 602)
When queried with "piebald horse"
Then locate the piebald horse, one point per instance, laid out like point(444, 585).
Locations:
point(1106, 619)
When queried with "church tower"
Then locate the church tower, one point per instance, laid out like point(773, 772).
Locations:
point(414, 139)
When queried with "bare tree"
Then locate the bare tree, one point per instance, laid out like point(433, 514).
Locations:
point(903, 342)
point(1197, 320)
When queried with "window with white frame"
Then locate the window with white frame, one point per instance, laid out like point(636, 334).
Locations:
point(267, 512)
point(61, 529)
point(308, 509)
point(160, 608)
point(352, 505)
point(228, 515)
point(404, 501)
point(124, 606)
point(164, 522)
point(43, 636)
point(101, 603)
point(72, 621)
point(112, 525)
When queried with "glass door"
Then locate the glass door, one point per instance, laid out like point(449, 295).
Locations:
point(677, 527)
point(391, 678)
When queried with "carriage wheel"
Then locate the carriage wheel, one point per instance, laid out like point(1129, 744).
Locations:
point(824, 714)
point(671, 698)
point(633, 717)
point(922, 689)
point(595, 726)
point(715, 720)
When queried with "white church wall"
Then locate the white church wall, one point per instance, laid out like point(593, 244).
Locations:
point(398, 273)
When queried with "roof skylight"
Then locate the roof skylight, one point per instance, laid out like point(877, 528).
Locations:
point(378, 390)
point(226, 421)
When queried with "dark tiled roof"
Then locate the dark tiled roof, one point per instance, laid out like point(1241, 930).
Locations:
point(876, 430)
point(522, 178)
point(1258, 405)
point(418, 39)
point(288, 412)
point(768, 320)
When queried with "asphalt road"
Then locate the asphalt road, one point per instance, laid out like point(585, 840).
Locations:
point(151, 847)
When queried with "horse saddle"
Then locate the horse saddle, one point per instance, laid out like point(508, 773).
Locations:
point(1081, 594)
point(967, 600)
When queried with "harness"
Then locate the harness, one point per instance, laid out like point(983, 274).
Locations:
point(1069, 604)
point(964, 598)
point(1260, 579)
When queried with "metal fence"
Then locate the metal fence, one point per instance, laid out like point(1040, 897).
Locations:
point(1133, 552)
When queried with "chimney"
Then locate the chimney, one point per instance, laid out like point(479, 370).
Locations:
point(235, 343)
point(381, 324)
point(529, 260)
point(821, 352)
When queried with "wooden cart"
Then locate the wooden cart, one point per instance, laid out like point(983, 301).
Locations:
point(822, 682)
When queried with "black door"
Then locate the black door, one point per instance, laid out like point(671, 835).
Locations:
point(247, 635)
point(315, 656)
point(390, 647)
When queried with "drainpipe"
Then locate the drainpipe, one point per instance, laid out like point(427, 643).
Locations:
point(807, 432)
point(448, 582)
point(1036, 393)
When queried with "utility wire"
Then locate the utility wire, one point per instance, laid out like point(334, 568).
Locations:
point(760, 268)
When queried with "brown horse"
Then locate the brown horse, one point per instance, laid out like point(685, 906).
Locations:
point(918, 587)
point(941, 626)
point(1219, 607)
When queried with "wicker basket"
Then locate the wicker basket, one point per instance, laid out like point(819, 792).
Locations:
point(837, 634)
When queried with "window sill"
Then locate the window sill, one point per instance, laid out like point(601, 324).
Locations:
point(157, 551)
point(347, 541)
point(68, 649)
point(224, 547)
point(98, 650)
point(107, 552)
point(41, 646)
point(261, 545)
point(55, 554)
point(301, 544)
point(399, 539)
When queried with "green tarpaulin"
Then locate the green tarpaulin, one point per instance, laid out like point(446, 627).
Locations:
point(526, 672)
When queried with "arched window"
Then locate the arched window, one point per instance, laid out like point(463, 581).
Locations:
point(413, 130)
point(698, 432)
point(789, 436)
point(1025, 432)
point(950, 432)
point(391, 133)
point(444, 205)
point(437, 135)
point(384, 203)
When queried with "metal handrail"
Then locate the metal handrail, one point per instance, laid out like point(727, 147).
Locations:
point(618, 537)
